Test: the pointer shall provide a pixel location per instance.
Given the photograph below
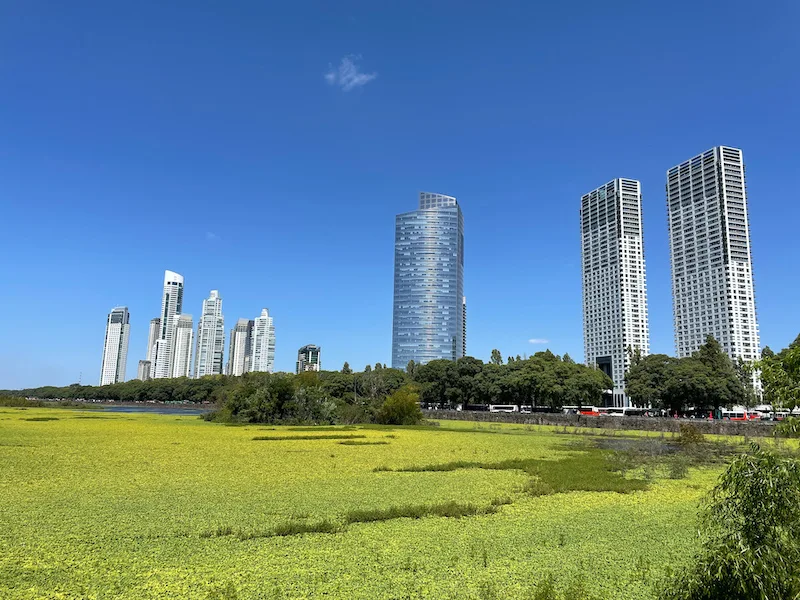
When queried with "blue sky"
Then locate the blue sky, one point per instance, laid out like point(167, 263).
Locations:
point(206, 138)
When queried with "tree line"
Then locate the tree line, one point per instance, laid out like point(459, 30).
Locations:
point(544, 379)
point(709, 379)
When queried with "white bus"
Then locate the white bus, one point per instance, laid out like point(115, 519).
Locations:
point(506, 408)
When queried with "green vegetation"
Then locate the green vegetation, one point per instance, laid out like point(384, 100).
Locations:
point(444, 512)
point(751, 534)
point(780, 375)
point(400, 408)
point(706, 381)
point(377, 394)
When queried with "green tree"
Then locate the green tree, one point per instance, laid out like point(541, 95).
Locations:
point(346, 368)
point(411, 368)
point(497, 358)
point(751, 534)
point(646, 380)
point(567, 359)
point(401, 408)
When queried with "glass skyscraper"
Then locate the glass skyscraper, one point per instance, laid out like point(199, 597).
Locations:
point(428, 319)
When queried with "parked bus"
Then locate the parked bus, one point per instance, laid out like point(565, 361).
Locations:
point(505, 408)
point(589, 411)
point(623, 411)
point(739, 414)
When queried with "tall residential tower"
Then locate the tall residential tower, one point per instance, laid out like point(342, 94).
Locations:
point(182, 334)
point(262, 353)
point(171, 307)
point(210, 338)
point(428, 314)
point(712, 270)
point(240, 347)
point(614, 290)
point(115, 348)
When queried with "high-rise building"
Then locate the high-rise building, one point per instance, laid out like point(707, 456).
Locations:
point(152, 338)
point(171, 307)
point(308, 359)
point(464, 326)
point(210, 337)
point(143, 372)
point(428, 314)
point(615, 322)
point(262, 353)
point(712, 271)
point(240, 347)
point(182, 335)
point(115, 348)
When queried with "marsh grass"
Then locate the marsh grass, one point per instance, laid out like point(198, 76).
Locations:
point(329, 436)
point(362, 443)
point(587, 471)
point(450, 509)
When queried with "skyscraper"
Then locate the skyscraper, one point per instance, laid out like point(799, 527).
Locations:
point(615, 319)
point(210, 337)
point(115, 348)
point(182, 335)
point(240, 347)
point(308, 359)
point(712, 271)
point(262, 354)
point(152, 338)
point(143, 372)
point(171, 306)
point(428, 311)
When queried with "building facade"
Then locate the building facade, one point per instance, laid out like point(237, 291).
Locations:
point(712, 270)
point(262, 353)
point(240, 346)
point(428, 313)
point(152, 337)
point(171, 307)
point(615, 319)
point(143, 371)
point(182, 336)
point(115, 347)
point(309, 359)
point(210, 337)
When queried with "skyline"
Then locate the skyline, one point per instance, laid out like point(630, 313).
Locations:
point(277, 186)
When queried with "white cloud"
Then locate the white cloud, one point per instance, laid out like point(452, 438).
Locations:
point(348, 76)
point(538, 341)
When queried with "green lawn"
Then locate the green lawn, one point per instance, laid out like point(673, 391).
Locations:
point(147, 506)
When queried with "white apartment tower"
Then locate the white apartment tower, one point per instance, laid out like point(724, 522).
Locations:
point(115, 348)
point(152, 338)
point(143, 371)
point(240, 347)
point(210, 338)
point(182, 335)
point(171, 307)
point(712, 270)
point(262, 353)
point(615, 319)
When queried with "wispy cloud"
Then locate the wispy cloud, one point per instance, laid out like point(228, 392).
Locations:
point(347, 75)
point(211, 236)
point(538, 341)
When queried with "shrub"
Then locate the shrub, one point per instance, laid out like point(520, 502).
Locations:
point(690, 435)
point(751, 527)
point(789, 427)
point(401, 408)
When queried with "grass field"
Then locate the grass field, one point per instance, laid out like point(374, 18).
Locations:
point(150, 506)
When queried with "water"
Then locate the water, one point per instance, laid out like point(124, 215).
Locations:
point(159, 409)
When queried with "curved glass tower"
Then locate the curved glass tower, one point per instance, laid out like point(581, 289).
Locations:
point(428, 319)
